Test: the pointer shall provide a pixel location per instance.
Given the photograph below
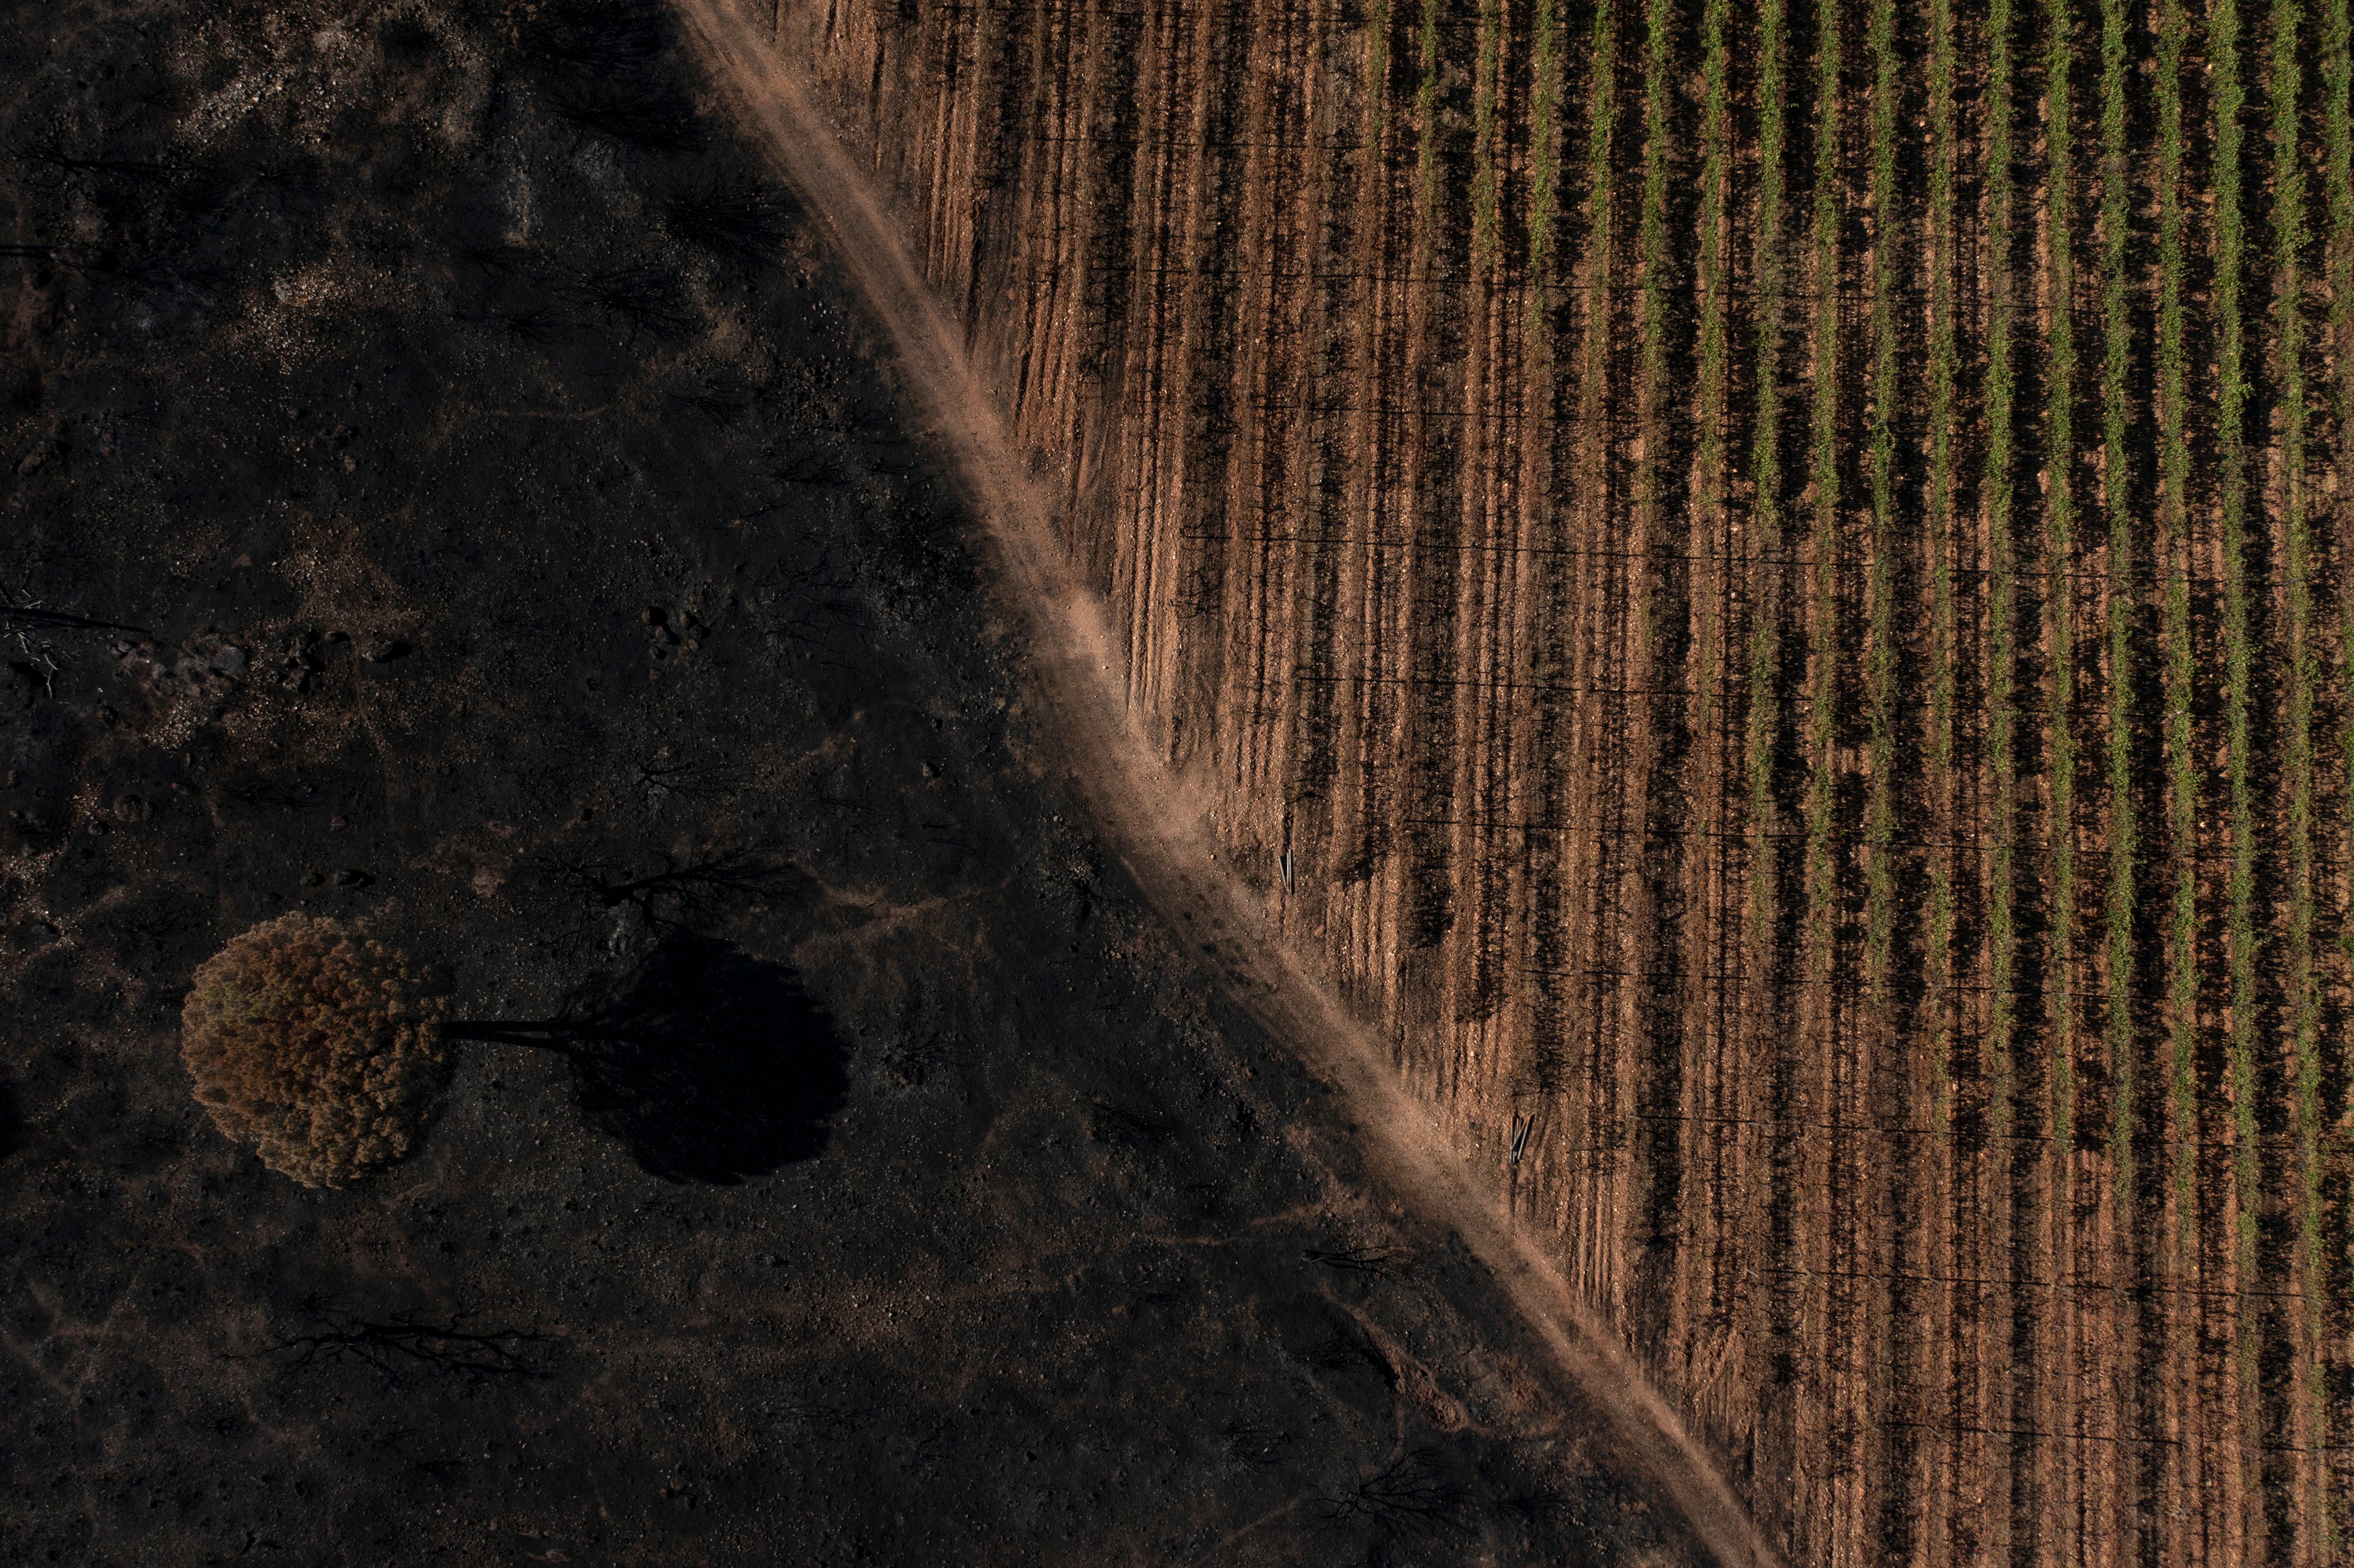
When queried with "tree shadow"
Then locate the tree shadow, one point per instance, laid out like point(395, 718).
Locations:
point(12, 1121)
point(708, 1063)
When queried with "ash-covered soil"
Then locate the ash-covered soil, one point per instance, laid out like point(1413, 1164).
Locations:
point(446, 485)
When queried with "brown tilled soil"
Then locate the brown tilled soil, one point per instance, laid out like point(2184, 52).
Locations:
point(448, 485)
point(1736, 804)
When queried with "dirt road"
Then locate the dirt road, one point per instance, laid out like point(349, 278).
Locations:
point(1146, 809)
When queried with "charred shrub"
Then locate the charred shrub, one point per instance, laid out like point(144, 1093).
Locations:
point(407, 39)
point(654, 116)
point(595, 37)
point(689, 890)
point(320, 1048)
point(739, 224)
point(1411, 1495)
point(642, 299)
point(918, 557)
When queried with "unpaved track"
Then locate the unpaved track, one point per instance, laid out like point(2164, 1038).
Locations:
point(1140, 804)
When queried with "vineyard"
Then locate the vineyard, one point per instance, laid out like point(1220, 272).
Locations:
point(1769, 588)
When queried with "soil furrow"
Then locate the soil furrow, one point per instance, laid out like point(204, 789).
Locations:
point(1654, 889)
point(1596, 757)
point(1548, 655)
point(1281, 219)
point(1329, 440)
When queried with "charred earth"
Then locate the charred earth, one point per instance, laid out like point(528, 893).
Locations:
point(446, 485)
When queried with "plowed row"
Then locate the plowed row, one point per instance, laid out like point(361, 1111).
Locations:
point(1767, 586)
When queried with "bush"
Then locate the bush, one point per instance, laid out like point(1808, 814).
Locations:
point(320, 1048)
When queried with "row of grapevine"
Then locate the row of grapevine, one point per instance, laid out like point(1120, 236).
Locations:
point(2179, 1248)
point(2328, 1275)
point(2242, 1405)
point(1936, 1365)
point(2329, 1270)
point(1877, 1185)
point(2306, 1421)
point(2056, 1341)
point(1990, 1404)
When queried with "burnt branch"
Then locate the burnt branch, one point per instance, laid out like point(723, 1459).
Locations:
point(739, 223)
point(597, 38)
point(657, 119)
point(528, 324)
point(806, 606)
point(504, 260)
point(694, 781)
point(28, 615)
point(1371, 1262)
point(642, 299)
point(405, 1341)
point(1255, 1448)
point(1408, 1496)
point(685, 890)
point(55, 157)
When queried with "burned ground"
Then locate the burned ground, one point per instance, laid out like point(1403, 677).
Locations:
point(448, 486)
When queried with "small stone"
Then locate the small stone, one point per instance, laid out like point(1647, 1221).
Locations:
point(314, 878)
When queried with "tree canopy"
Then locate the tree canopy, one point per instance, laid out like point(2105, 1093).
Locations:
point(318, 1046)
